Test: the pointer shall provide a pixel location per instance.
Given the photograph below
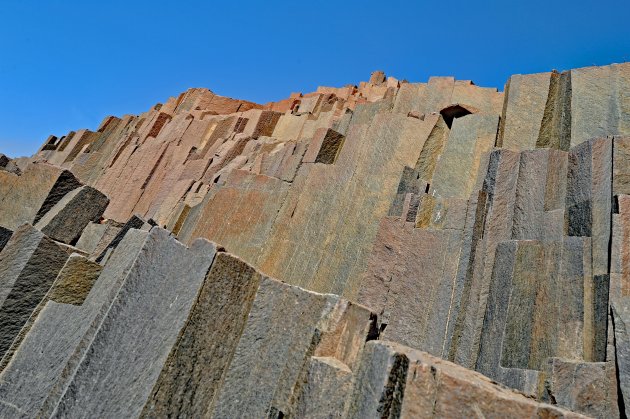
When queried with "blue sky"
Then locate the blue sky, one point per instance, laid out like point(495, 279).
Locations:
point(67, 64)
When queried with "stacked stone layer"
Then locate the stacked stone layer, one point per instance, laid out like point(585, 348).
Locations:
point(379, 248)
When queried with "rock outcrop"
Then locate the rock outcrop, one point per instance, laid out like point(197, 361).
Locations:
point(390, 249)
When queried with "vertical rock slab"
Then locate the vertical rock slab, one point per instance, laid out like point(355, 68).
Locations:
point(271, 359)
point(412, 299)
point(379, 383)
point(523, 111)
point(66, 220)
point(589, 197)
point(599, 102)
point(27, 197)
point(71, 286)
point(29, 264)
point(522, 326)
point(555, 127)
point(91, 236)
point(456, 171)
point(588, 388)
point(35, 379)
point(621, 166)
point(328, 384)
point(195, 369)
point(495, 220)
point(621, 324)
point(144, 320)
point(134, 222)
point(396, 381)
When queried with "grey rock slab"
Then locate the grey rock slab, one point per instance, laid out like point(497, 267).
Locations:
point(41, 367)
point(66, 220)
point(71, 287)
point(134, 222)
point(91, 236)
point(29, 264)
point(379, 383)
point(195, 368)
point(621, 322)
point(127, 354)
point(271, 356)
point(25, 198)
point(328, 384)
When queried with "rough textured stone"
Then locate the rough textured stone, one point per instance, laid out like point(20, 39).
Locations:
point(66, 220)
point(29, 264)
point(621, 319)
point(487, 228)
point(195, 368)
point(269, 360)
point(395, 381)
point(25, 198)
point(160, 288)
point(58, 339)
point(72, 285)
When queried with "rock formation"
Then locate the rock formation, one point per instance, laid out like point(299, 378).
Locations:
point(390, 249)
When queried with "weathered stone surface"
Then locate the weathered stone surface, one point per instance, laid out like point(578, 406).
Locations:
point(194, 371)
point(587, 388)
point(72, 285)
point(599, 102)
point(27, 197)
point(621, 320)
point(39, 372)
point(269, 360)
point(160, 288)
point(328, 384)
point(486, 228)
point(522, 328)
point(412, 300)
point(134, 222)
point(66, 220)
point(91, 236)
point(523, 110)
point(29, 264)
point(395, 381)
point(456, 171)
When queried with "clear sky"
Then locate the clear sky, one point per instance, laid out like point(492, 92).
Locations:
point(67, 64)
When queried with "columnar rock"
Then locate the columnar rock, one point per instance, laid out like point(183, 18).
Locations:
point(29, 264)
point(160, 288)
point(66, 220)
point(491, 229)
point(395, 381)
point(25, 198)
point(72, 285)
point(49, 354)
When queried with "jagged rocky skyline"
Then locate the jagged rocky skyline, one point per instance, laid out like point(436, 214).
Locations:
point(363, 251)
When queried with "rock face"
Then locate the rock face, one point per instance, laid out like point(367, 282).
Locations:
point(390, 249)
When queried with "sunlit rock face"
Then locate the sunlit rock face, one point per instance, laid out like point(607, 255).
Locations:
point(391, 249)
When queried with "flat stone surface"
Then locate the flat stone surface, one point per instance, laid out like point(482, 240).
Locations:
point(395, 381)
point(523, 110)
point(271, 358)
point(194, 371)
point(29, 264)
point(66, 220)
point(27, 197)
point(161, 288)
point(40, 369)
